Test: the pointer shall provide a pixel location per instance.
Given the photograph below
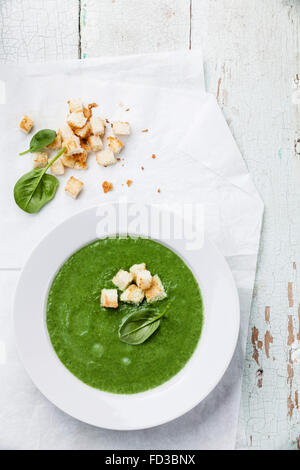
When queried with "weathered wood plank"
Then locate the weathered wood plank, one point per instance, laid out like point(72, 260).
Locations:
point(251, 53)
point(116, 27)
point(38, 30)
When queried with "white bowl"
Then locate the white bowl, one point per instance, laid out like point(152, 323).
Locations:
point(124, 412)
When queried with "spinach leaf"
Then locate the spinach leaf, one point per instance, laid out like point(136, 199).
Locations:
point(139, 326)
point(34, 189)
point(40, 140)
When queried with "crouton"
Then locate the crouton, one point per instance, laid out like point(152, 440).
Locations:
point(132, 295)
point(109, 298)
point(122, 279)
point(156, 291)
point(73, 187)
point(98, 125)
point(65, 132)
point(84, 132)
point(75, 105)
point(40, 159)
point(121, 128)
point(77, 161)
point(143, 279)
point(115, 144)
point(76, 120)
point(56, 144)
point(79, 165)
point(87, 113)
point(72, 145)
point(57, 168)
point(80, 161)
point(95, 143)
point(92, 105)
point(68, 161)
point(85, 146)
point(26, 124)
point(136, 268)
point(105, 158)
point(107, 186)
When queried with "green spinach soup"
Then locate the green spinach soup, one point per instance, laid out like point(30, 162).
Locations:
point(85, 335)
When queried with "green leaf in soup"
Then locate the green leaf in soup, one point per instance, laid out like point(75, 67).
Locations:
point(40, 140)
point(34, 189)
point(139, 326)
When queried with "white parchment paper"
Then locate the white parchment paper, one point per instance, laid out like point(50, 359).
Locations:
point(196, 161)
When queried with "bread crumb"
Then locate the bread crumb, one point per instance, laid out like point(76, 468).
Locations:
point(153, 155)
point(142, 168)
point(129, 183)
point(107, 186)
point(128, 109)
point(158, 190)
point(145, 130)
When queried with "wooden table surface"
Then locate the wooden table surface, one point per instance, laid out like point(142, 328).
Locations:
point(252, 62)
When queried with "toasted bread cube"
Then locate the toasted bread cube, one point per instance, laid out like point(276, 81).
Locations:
point(136, 268)
point(73, 187)
point(80, 161)
point(26, 124)
point(40, 159)
point(98, 125)
point(75, 105)
point(156, 291)
point(68, 161)
point(95, 143)
point(132, 295)
point(56, 144)
point(77, 161)
point(105, 158)
point(122, 279)
point(65, 132)
point(144, 279)
point(84, 132)
point(76, 120)
point(72, 145)
point(109, 298)
point(58, 168)
point(121, 128)
point(85, 146)
point(115, 144)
